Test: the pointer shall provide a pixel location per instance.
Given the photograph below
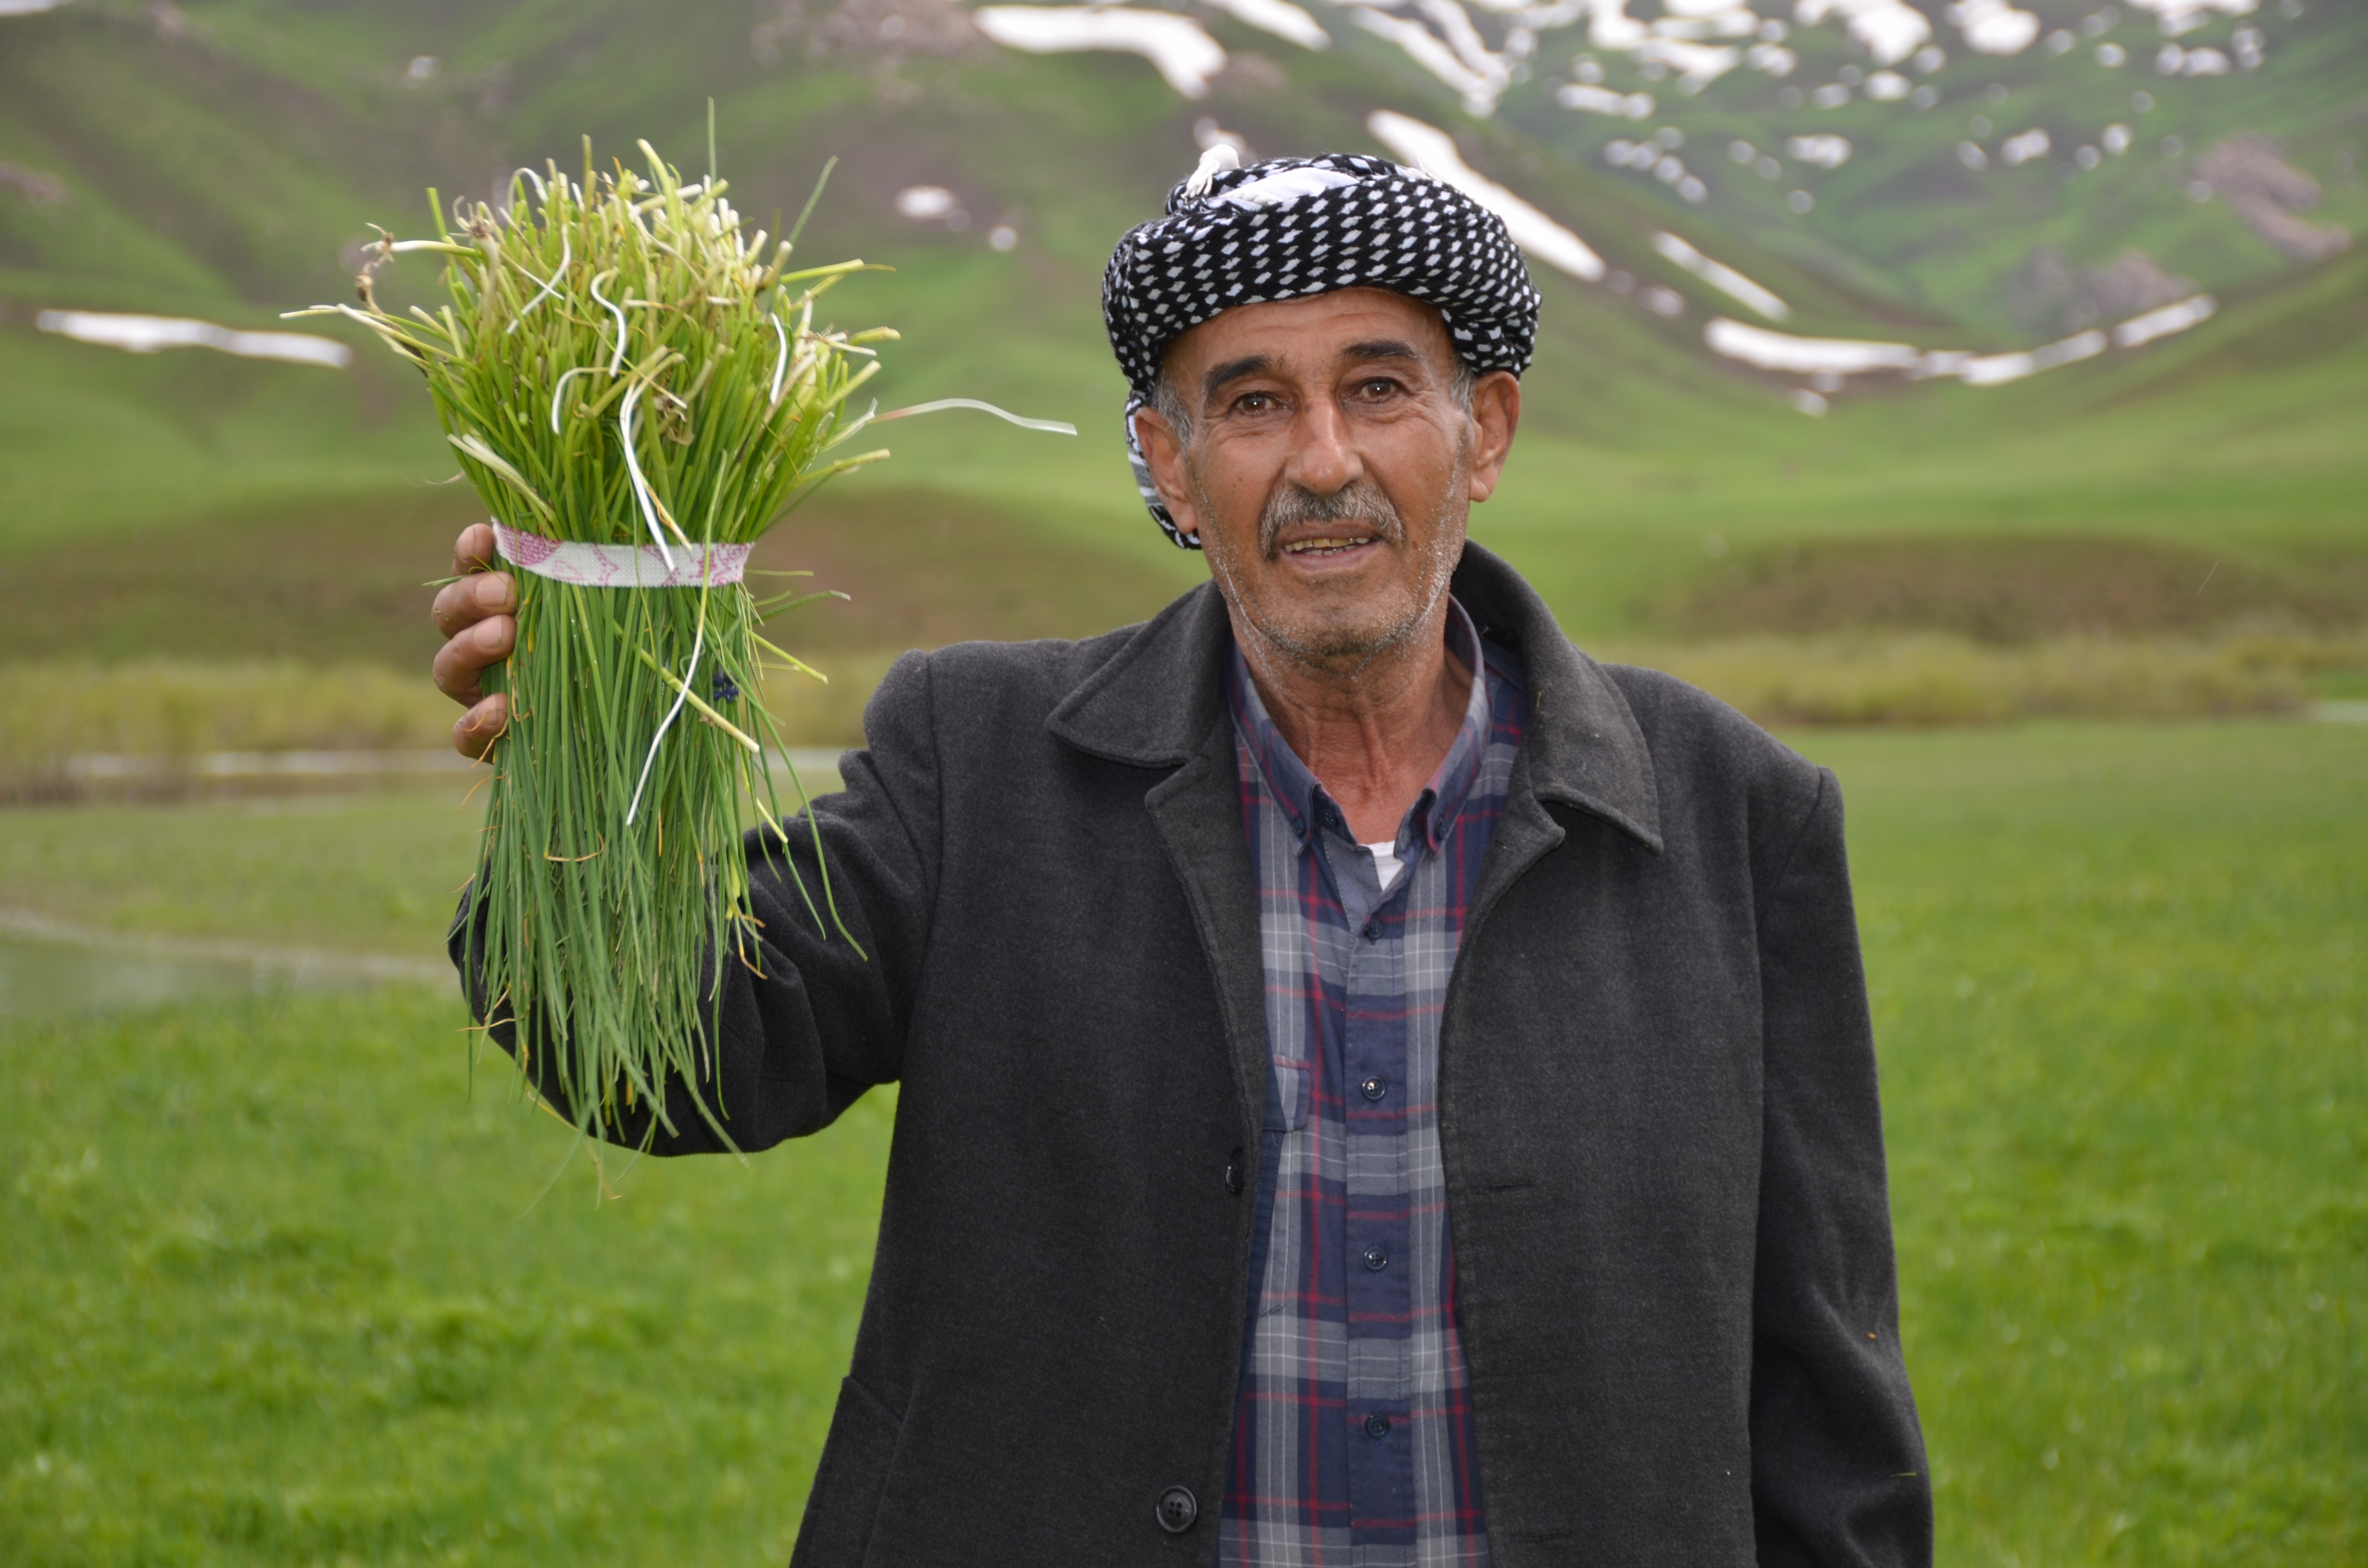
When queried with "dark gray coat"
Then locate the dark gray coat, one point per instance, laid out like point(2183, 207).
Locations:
point(1657, 1105)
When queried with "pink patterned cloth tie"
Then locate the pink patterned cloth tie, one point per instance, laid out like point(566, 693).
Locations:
point(621, 566)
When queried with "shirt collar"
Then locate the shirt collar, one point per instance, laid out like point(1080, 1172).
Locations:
point(1307, 807)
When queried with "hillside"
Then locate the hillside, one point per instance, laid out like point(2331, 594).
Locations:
point(221, 160)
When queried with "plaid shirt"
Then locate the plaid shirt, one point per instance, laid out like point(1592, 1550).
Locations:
point(1353, 1438)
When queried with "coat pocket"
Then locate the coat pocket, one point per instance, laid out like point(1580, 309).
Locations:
point(855, 1458)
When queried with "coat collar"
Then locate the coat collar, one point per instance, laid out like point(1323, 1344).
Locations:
point(1152, 704)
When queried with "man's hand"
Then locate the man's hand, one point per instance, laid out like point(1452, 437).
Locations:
point(477, 617)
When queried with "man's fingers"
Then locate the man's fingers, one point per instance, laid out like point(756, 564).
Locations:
point(472, 598)
point(473, 550)
point(474, 733)
point(475, 616)
point(462, 660)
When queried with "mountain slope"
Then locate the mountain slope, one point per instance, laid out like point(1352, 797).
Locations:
point(223, 160)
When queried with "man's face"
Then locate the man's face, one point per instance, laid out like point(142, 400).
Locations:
point(1329, 468)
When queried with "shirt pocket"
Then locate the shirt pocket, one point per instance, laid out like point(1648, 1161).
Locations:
point(1290, 1086)
point(1288, 1089)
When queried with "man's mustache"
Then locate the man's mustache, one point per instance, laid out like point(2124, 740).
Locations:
point(1359, 501)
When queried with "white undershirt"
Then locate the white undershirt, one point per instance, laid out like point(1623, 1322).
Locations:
point(1386, 864)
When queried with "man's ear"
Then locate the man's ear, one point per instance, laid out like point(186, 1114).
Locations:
point(1496, 415)
point(1164, 455)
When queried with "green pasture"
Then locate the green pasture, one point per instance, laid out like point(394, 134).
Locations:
point(2119, 977)
point(284, 1285)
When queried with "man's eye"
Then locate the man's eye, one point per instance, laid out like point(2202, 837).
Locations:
point(1253, 402)
point(1378, 387)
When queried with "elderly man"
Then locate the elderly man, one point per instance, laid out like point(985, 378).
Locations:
point(1377, 1086)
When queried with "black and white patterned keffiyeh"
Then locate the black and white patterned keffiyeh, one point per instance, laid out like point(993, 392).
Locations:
point(1289, 228)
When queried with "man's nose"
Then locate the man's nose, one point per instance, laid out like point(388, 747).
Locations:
point(1324, 460)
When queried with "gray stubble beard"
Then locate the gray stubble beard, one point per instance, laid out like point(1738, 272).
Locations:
point(1360, 502)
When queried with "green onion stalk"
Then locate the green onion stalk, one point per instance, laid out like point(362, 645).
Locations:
point(619, 364)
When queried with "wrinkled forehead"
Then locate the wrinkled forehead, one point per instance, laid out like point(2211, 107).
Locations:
point(1313, 335)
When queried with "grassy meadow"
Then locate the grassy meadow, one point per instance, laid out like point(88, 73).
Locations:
point(2120, 976)
point(285, 1286)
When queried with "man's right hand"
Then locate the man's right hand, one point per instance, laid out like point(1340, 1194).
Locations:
point(477, 615)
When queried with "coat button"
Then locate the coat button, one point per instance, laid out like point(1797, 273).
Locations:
point(1234, 1173)
point(1177, 1509)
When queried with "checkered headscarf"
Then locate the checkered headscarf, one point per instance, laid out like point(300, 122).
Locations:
point(1289, 228)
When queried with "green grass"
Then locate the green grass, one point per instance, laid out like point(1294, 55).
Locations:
point(374, 873)
point(253, 869)
point(278, 1290)
point(48, 712)
point(2118, 977)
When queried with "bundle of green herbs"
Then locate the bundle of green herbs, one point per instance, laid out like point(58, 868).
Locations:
point(638, 390)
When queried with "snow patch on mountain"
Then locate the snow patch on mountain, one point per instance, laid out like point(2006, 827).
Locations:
point(1179, 47)
point(1433, 152)
point(1826, 360)
point(1993, 27)
point(1280, 17)
point(1724, 279)
point(1592, 99)
point(1471, 72)
point(2179, 17)
point(149, 334)
point(1890, 30)
point(2163, 323)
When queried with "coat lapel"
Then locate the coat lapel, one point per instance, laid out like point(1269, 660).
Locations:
point(1583, 747)
point(1159, 703)
point(1198, 814)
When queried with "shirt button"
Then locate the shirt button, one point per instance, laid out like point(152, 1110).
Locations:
point(1372, 930)
point(1377, 1258)
point(1176, 1510)
point(1377, 1426)
point(1374, 1088)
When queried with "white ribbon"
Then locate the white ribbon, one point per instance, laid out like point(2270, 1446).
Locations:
point(621, 566)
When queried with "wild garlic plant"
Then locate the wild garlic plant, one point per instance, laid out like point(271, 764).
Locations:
point(638, 390)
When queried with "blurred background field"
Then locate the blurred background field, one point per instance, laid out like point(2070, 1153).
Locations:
point(2085, 632)
point(285, 1286)
point(220, 161)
